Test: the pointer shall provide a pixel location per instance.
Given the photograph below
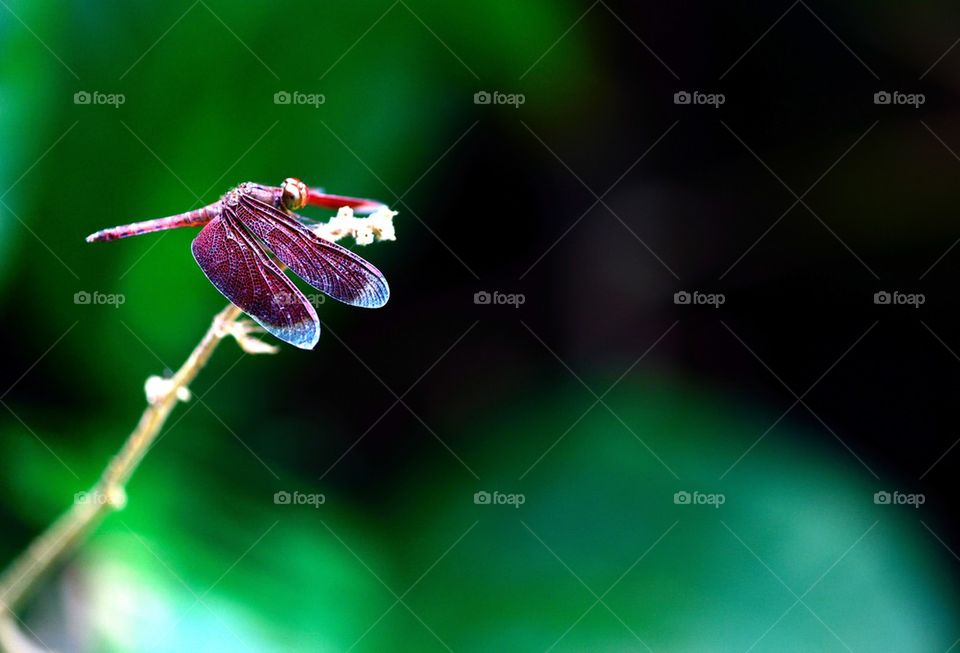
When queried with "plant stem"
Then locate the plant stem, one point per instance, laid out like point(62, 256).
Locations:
point(62, 537)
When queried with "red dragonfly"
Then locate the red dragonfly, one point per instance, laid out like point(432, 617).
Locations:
point(229, 251)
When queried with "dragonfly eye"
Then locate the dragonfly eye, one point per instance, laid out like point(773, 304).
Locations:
point(294, 195)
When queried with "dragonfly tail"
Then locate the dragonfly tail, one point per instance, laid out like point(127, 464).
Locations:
point(195, 218)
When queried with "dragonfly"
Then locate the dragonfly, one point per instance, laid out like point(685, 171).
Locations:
point(232, 251)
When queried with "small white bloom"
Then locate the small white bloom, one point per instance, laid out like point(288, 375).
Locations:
point(381, 221)
point(363, 234)
point(377, 226)
point(117, 497)
point(157, 388)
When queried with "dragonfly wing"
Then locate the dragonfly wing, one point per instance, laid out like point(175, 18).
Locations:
point(326, 266)
point(238, 267)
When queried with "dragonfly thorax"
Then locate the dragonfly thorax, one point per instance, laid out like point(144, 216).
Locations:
point(232, 196)
point(265, 194)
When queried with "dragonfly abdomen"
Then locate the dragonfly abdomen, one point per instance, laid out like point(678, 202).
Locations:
point(196, 218)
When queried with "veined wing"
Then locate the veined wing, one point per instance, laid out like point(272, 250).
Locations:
point(326, 266)
point(238, 267)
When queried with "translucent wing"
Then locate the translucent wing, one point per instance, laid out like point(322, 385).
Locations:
point(238, 267)
point(336, 271)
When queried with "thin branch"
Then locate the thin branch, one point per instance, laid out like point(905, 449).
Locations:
point(63, 536)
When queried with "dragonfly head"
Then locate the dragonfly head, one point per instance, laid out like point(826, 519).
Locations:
point(294, 194)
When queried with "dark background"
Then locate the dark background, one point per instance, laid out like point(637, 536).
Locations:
point(515, 200)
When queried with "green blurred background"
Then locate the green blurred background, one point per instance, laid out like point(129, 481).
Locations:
point(596, 402)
